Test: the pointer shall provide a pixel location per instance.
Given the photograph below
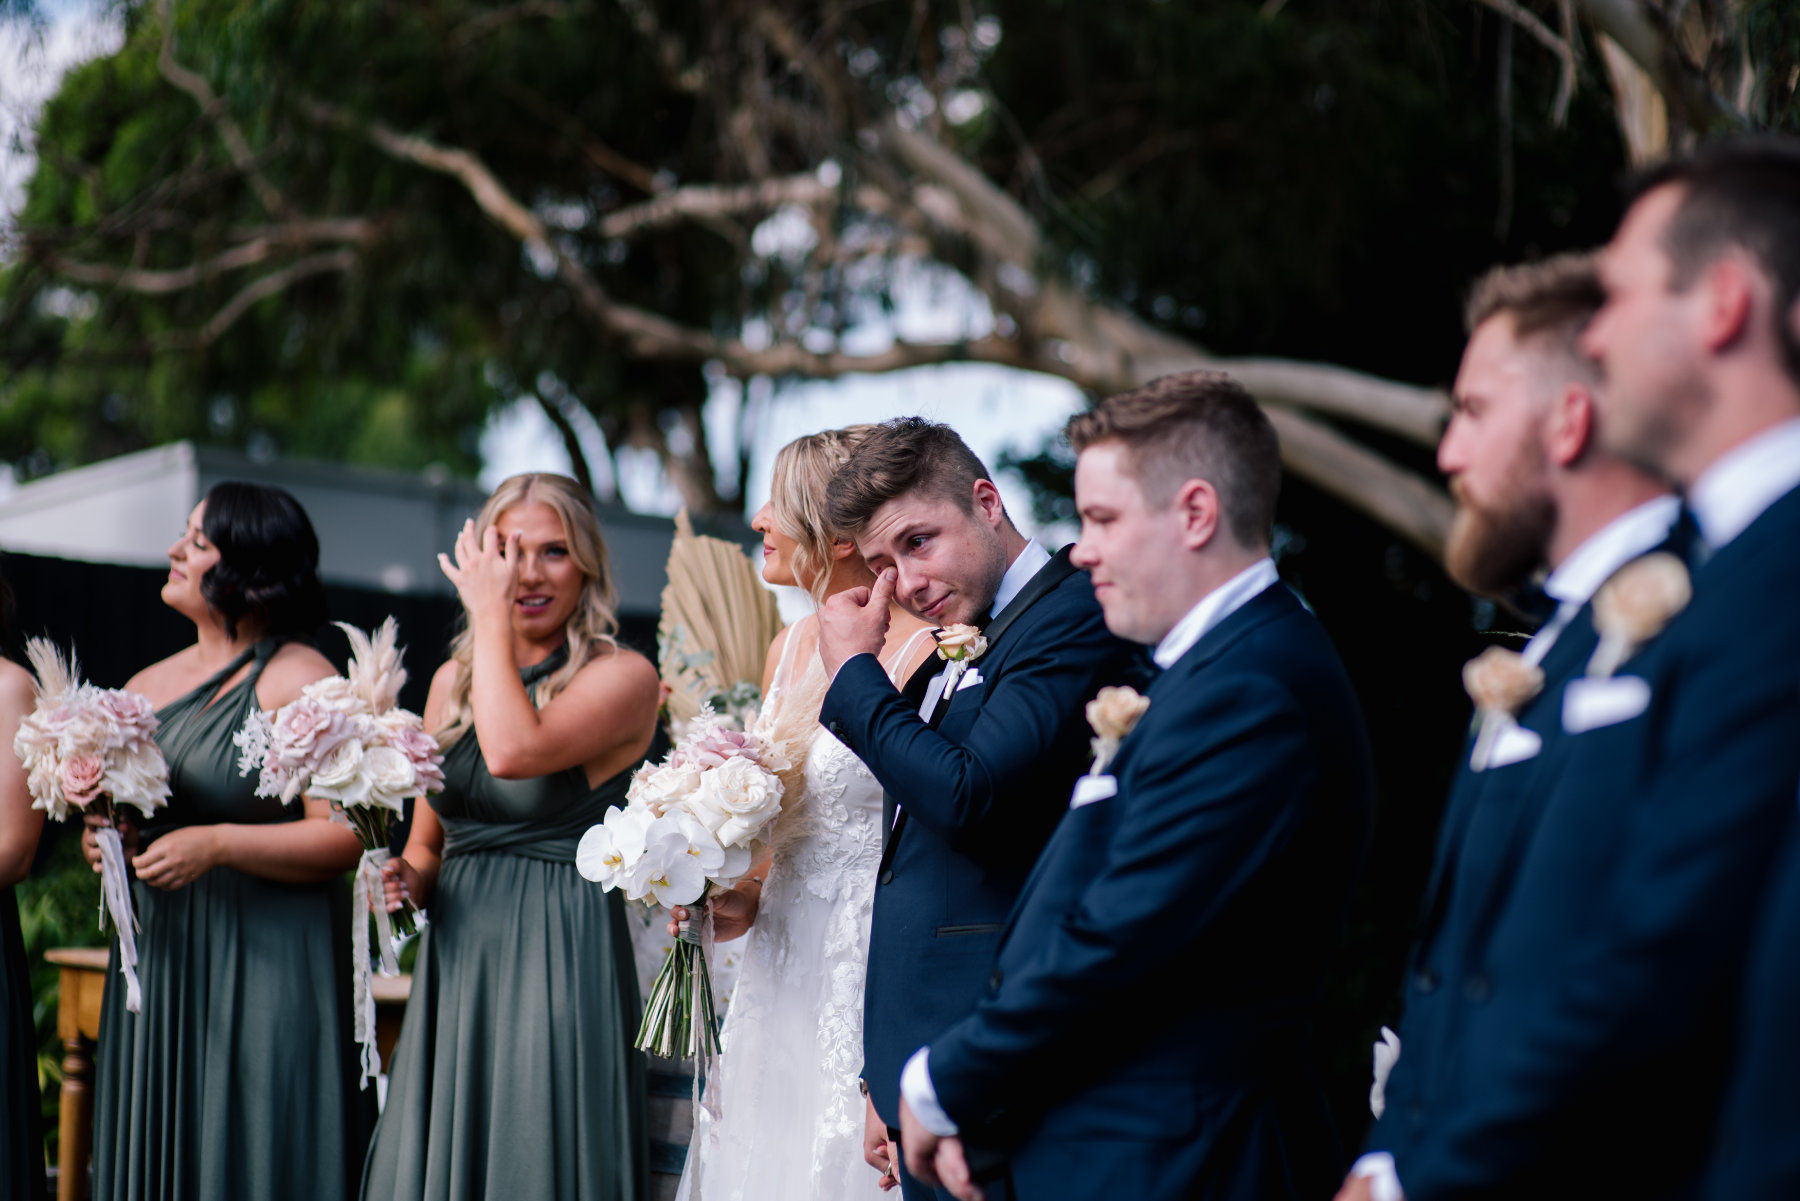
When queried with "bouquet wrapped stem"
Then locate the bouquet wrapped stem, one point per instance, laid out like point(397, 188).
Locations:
point(678, 1014)
point(374, 829)
point(115, 897)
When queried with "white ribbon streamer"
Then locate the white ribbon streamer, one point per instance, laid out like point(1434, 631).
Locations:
point(115, 889)
point(367, 898)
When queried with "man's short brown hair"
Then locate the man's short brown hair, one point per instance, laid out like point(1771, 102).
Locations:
point(1195, 425)
point(1551, 300)
point(1741, 192)
point(895, 458)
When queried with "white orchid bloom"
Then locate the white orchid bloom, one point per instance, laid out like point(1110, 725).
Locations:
point(610, 853)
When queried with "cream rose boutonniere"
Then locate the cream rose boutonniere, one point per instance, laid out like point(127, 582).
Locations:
point(1114, 713)
point(1634, 606)
point(1500, 682)
point(960, 645)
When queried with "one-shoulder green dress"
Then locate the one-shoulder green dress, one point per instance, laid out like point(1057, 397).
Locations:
point(514, 1076)
point(238, 1079)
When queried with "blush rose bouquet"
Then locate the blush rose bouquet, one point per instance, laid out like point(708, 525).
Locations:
point(692, 824)
point(93, 749)
point(347, 741)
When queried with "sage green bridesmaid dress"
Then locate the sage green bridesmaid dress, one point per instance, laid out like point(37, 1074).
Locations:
point(514, 1077)
point(238, 1079)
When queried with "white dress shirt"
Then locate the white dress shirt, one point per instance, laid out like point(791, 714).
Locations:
point(1575, 580)
point(1033, 559)
point(1214, 607)
point(1744, 481)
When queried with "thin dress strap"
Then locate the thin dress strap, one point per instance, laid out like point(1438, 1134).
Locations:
point(784, 668)
point(905, 655)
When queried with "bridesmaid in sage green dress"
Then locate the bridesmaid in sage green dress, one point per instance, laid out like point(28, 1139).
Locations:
point(21, 1107)
point(514, 1076)
point(238, 1077)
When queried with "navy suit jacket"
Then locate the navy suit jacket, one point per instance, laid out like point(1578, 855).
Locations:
point(979, 791)
point(1146, 1031)
point(1594, 1062)
point(1487, 830)
point(1757, 1148)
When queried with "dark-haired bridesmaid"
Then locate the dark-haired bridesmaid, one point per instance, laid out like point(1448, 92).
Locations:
point(238, 1078)
point(21, 1107)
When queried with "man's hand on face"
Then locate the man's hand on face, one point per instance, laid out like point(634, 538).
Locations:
point(855, 622)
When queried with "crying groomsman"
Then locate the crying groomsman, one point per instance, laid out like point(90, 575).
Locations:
point(1145, 1032)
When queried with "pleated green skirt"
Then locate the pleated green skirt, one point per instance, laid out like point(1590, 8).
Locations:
point(514, 1077)
point(238, 1078)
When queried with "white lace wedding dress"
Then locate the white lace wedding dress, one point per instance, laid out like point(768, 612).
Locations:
point(782, 1118)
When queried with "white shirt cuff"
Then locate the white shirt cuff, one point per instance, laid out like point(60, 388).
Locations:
point(921, 1097)
point(1384, 1181)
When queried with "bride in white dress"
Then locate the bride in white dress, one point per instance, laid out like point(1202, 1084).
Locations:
point(782, 1118)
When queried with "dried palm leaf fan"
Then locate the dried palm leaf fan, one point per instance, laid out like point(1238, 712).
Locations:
point(717, 623)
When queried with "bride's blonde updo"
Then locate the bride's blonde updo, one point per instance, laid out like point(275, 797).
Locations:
point(593, 623)
point(797, 500)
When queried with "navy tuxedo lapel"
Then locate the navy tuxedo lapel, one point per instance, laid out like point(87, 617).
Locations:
point(1529, 789)
point(1058, 569)
point(914, 692)
point(1543, 715)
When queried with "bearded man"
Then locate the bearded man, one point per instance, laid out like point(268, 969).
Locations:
point(1535, 490)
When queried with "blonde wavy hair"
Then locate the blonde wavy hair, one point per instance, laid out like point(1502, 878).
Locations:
point(797, 500)
point(591, 627)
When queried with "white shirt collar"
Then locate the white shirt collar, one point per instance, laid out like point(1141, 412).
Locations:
point(1609, 548)
point(1744, 481)
point(1213, 608)
point(1031, 560)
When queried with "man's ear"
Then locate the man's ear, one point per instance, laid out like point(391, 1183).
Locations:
point(988, 505)
point(842, 548)
point(1197, 506)
point(1569, 425)
point(1729, 293)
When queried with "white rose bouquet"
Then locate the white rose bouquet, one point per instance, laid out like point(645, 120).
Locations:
point(691, 824)
point(84, 747)
point(347, 741)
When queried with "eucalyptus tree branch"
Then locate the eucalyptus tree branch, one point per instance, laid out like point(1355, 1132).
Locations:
point(1692, 100)
point(263, 242)
point(1100, 347)
point(259, 289)
point(1415, 509)
point(701, 201)
point(214, 110)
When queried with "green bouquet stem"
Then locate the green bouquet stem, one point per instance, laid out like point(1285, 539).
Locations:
point(678, 1016)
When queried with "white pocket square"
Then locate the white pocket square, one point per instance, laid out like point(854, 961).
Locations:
point(1089, 789)
point(969, 680)
point(1514, 744)
point(1589, 704)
